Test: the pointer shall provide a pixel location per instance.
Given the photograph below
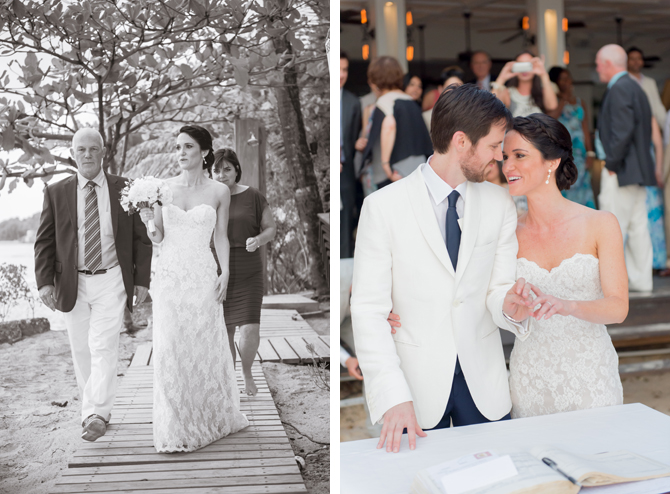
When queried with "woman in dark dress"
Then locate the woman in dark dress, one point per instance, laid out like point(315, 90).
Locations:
point(250, 225)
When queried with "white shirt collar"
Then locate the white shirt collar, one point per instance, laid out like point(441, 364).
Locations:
point(99, 179)
point(438, 188)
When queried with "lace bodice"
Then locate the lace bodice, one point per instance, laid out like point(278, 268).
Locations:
point(196, 400)
point(565, 363)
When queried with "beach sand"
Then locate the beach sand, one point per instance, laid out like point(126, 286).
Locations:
point(37, 438)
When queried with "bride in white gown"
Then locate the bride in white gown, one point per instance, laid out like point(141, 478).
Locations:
point(573, 256)
point(196, 400)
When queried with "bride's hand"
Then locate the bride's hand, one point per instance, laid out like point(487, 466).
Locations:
point(146, 215)
point(222, 287)
point(394, 321)
point(518, 304)
point(550, 305)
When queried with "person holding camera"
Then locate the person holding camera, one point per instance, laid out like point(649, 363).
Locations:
point(524, 86)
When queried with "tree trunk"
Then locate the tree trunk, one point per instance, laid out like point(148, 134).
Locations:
point(301, 166)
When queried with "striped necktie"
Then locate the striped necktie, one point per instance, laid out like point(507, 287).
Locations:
point(92, 245)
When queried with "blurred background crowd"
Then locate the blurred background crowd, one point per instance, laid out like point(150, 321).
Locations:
point(386, 105)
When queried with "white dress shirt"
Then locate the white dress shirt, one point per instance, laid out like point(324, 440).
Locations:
point(344, 356)
point(109, 258)
point(439, 191)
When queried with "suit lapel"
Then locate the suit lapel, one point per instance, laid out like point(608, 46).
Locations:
point(469, 228)
point(71, 198)
point(425, 217)
point(114, 192)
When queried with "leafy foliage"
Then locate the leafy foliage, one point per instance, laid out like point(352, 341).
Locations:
point(13, 289)
point(137, 70)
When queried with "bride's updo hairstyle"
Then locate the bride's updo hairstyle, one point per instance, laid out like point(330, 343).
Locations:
point(553, 141)
point(204, 140)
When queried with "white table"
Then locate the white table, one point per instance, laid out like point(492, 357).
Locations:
point(637, 428)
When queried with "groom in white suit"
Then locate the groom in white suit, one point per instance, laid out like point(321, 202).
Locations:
point(439, 248)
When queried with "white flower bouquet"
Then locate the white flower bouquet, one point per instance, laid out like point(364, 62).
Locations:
point(145, 192)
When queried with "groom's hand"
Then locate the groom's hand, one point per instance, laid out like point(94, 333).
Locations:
point(396, 419)
point(518, 303)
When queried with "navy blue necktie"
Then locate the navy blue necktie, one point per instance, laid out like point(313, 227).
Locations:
point(453, 230)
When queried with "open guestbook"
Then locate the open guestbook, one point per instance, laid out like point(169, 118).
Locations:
point(526, 473)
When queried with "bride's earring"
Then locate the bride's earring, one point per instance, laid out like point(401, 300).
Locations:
point(548, 176)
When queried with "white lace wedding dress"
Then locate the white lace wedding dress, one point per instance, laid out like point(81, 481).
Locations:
point(566, 363)
point(196, 400)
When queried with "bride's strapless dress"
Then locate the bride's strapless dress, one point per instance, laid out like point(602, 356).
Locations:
point(196, 400)
point(565, 363)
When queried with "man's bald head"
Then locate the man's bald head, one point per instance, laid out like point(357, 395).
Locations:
point(610, 60)
point(88, 133)
point(88, 150)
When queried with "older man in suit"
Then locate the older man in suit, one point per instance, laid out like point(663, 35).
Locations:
point(350, 128)
point(90, 259)
point(624, 142)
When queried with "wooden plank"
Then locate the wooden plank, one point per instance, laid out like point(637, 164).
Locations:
point(175, 457)
point(285, 352)
point(325, 339)
point(264, 489)
point(176, 483)
point(212, 448)
point(299, 347)
point(291, 302)
point(321, 349)
point(181, 467)
point(149, 443)
point(142, 355)
point(185, 474)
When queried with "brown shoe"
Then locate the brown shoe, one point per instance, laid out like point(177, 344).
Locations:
point(94, 428)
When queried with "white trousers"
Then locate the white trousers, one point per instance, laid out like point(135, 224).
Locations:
point(93, 327)
point(628, 204)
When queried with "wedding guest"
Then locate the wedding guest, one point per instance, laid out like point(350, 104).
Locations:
point(571, 112)
point(624, 142)
point(480, 64)
point(452, 75)
point(250, 226)
point(350, 129)
point(89, 270)
point(654, 203)
point(413, 86)
point(649, 86)
point(526, 92)
point(398, 141)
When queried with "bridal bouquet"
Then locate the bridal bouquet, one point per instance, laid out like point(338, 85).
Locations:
point(145, 192)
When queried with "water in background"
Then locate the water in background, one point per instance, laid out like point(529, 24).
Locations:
point(21, 253)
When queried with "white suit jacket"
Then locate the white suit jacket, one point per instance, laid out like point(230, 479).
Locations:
point(401, 262)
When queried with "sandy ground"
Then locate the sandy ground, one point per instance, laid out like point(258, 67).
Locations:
point(37, 434)
point(652, 390)
point(39, 431)
point(304, 411)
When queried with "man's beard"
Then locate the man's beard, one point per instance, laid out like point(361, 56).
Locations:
point(472, 169)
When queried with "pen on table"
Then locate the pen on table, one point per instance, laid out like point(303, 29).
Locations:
point(552, 464)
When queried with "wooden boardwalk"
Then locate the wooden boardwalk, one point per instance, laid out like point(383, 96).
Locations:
point(284, 338)
point(256, 460)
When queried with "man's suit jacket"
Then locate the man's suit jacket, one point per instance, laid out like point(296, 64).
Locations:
point(351, 129)
point(56, 244)
point(401, 262)
point(624, 126)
